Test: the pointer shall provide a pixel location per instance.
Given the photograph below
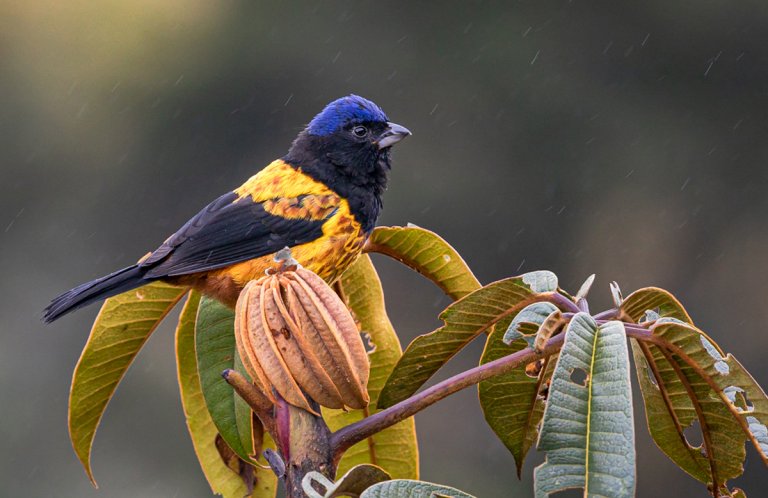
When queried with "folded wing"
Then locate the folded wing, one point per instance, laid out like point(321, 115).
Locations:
point(233, 229)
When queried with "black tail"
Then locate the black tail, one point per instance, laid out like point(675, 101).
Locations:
point(101, 288)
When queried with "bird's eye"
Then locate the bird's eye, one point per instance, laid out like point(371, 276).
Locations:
point(360, 131)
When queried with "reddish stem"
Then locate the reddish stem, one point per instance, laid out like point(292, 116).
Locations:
point(347, 436)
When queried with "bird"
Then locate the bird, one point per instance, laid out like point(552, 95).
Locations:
point(321, 200)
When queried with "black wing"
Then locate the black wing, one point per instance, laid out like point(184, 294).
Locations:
point(228, 232)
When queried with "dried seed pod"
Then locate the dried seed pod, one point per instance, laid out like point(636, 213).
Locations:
point(296, 336)
point(320, 340)
point(335, 324)
point(244, 347)
point(302, 362)
point(343, 319)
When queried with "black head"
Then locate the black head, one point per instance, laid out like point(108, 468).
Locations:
point(347, 147)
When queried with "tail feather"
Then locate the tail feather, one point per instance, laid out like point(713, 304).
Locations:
point(101, 288)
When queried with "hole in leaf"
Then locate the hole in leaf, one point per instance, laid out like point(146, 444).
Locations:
point(747, 404)
point(368, 343)
point(533, 369)
point(318, 487)
point(527, 328)
point(579, 376)
point(738, 398)
point(693, 435)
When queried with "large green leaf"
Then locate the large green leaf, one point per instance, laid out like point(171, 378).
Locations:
point(588, 430)
point(464, 320)
point(223, 480)
point(405, 488)
point(427, 253)
point(216, 351)
point(395, 448)
point(123, 325)
point(668, 409)
point(729, 405)
point(665, 427)
point(667, 387)
point(511, 402)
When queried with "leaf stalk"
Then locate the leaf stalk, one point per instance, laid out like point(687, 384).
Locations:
point(346, 437)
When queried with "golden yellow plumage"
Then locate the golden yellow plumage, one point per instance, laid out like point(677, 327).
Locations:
point(286, 192)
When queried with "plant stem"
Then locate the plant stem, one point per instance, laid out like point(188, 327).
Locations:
point(304, 441)
point(302, 438)
point(612, 313)
point(259, 403)
point(562, 302)
point(306, 444)
point(347, 436)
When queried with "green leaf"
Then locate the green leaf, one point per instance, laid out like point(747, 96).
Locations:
point(406, 488)
point(511, 403)
point(123, 325)
point(665, 427)
point(427, 253)
point(223, 480)
point(395, 449)
point(352, 483)
point(588, 430)
point(666, 392)
point(729, 405)
point(526, 324)
point(464, 320)
point(653, 298)
point(216, 351)
point(669, 411)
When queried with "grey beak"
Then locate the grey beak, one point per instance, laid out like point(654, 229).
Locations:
point(393, 134)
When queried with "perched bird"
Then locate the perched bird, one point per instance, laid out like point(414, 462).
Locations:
point(322, 200)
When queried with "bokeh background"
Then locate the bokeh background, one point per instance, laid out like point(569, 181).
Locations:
point(626, 139)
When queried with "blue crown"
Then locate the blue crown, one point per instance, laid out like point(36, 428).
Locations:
point(344, 111)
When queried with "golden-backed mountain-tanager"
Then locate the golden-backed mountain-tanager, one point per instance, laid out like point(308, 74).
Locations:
point(322, 200)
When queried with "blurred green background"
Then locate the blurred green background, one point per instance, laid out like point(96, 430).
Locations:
point(626, 139)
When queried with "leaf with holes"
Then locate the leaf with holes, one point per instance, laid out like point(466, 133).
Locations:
point(588, 430)
point(394, 449)
point(216, 351)
point(405, 488)
point(222, 479)
point(123, 325)
point(664, 425)
point(670, 409)
point(427, 253)
point(464, 320)
point(703, 385)
point(511, 402)
point(662, 406)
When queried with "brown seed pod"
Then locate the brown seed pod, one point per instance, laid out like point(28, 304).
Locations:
point(296, 336)
point(329, 316)
point(301, 360)
point(244, 347)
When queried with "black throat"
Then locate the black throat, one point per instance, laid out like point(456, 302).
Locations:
point(357, 172)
